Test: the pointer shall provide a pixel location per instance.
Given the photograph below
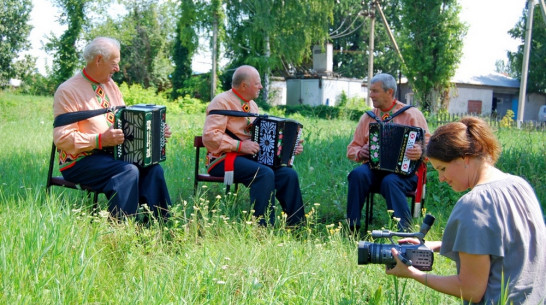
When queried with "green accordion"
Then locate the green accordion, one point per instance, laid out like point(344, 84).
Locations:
point(144, 128)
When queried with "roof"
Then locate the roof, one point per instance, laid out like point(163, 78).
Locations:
point(492, 79)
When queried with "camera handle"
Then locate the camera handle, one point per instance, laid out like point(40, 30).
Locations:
point(425, 227)
point(389, 234)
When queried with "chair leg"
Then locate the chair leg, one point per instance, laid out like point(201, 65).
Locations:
point(369, 209)
point(95, 201)
point(413, 212)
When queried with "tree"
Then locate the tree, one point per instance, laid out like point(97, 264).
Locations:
point(216, 21)
point(184, 47)
point(66, 55)
point(273, 35)
point(536, 82)
point(144, 30)
point(14, 31)
point(350, 32)
point(431, 42)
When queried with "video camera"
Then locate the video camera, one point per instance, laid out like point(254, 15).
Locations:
point(419, 256)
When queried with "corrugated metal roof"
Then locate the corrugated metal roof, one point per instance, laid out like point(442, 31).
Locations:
point(492, 79)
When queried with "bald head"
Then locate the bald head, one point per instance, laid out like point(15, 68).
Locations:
point(243, 73)
point(246, 81)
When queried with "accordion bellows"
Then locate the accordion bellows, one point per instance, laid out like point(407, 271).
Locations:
point(278, 138)
point(144, 128)
point(388, 143)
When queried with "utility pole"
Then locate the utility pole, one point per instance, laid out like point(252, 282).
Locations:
point(525, 64)
point(214, 55)
point(371, 14)
point(391, 37)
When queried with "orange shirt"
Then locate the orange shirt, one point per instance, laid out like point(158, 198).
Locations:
point(410, 117)
point(77, 140)
point(215, 138)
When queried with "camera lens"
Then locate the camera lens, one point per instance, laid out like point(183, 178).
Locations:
point(370, 253)
point(364, 252)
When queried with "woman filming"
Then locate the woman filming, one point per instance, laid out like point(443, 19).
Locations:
point(495, 233)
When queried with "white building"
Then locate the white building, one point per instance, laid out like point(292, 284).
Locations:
point(486, 94)
point(320, 88)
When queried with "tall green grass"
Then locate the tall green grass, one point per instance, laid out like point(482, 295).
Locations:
point(52, 251)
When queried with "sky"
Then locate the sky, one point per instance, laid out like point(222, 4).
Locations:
point(486, 42)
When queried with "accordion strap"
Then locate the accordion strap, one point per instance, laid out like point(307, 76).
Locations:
point(229, 161)
point(236, 113)
point(76, 116)
point(373, 116)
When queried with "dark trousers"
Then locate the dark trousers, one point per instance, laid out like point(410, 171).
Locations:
point(125, 185)
point(263, 181)
point(393, 187)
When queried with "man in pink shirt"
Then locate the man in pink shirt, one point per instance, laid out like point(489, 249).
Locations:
point(227, 139)
point(86, 146)
point(362, 179)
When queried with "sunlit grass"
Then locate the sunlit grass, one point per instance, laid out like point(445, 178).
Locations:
point(54, 251)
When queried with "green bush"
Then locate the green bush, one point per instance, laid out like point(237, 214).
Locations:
point(323, 111)
point(136, 94)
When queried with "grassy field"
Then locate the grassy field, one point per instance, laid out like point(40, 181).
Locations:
point(53, 251)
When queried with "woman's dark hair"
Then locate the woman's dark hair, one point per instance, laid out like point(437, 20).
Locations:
point(469, 137)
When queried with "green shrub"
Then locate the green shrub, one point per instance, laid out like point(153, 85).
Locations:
point(136, 94)
point(508, 119)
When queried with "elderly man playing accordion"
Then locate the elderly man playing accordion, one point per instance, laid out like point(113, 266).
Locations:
point(363, 179)
point(86, 146)
point(228, 141)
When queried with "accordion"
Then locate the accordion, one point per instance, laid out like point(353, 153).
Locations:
point(388, 143)
point(144, 128)
point(278, 138)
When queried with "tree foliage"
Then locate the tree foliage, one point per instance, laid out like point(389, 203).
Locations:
point(184, 46)
point(536, 82)
point(274, 35)
point(66, 59)
point(145, 35)
point(431, 38)
point(350, 32)
point(14, 31)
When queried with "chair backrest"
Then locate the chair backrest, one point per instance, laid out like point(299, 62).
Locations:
point(197, 144)
point(60, 181)
point(204, 177)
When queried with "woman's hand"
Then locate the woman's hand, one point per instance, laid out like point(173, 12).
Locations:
point(401, 269)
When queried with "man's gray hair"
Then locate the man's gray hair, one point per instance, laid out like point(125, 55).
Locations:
point(386, 80)
point(100, 46)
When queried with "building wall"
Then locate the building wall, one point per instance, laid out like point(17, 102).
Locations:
point(334, 88)
point(461, 95)
point(506, 97)
point(532, 106)
point(321, 91)
point(277, 92)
